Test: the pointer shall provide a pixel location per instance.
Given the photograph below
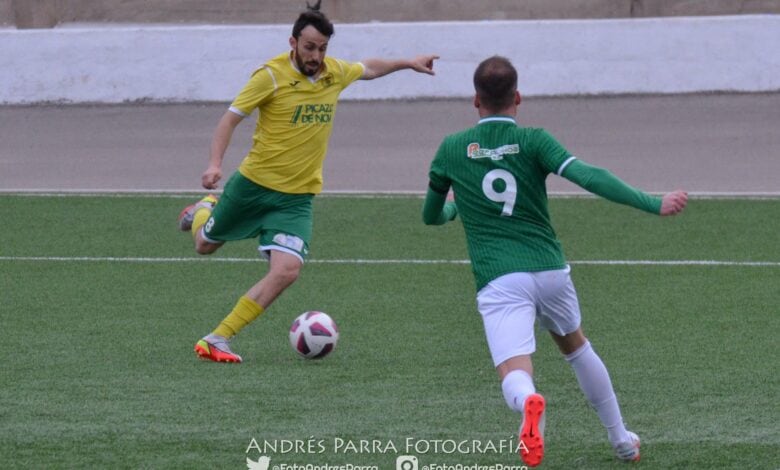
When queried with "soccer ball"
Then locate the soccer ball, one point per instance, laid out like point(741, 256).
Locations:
point(314, 335)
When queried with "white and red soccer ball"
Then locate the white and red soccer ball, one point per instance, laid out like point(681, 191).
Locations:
point(314, 335)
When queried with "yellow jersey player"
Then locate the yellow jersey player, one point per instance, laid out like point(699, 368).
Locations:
point(270, 196)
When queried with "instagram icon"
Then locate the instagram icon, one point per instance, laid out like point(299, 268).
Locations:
point(406, 462)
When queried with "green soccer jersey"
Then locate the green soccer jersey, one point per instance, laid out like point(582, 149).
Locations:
point(497, 171)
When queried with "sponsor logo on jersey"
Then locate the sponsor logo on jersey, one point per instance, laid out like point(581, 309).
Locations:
point(312, 114)
point(474, 151)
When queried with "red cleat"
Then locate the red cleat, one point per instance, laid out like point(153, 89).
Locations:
point(532, 431)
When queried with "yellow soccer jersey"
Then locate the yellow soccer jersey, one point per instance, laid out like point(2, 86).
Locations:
point(294, 122)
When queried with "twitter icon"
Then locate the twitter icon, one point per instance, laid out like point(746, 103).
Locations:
point(261, 464)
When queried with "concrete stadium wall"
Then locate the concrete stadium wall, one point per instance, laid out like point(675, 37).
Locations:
point(47, 13)
point(554, 57)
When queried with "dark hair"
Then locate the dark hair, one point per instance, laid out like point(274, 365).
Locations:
point(495, 82)
point(313, 16)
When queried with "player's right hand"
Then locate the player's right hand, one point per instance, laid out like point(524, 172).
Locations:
point(211, 177)
point(424, 64)
point(674, 202)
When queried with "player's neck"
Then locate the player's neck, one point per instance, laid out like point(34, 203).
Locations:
point(510, 111)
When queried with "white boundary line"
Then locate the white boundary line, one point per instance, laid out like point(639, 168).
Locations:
point(97, 259)
point(166, 193)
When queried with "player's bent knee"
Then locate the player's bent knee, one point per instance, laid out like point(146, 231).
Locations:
point(522, 362)
point(206, 248)
point(285, 267)
point(571, 342)
point(286, 274)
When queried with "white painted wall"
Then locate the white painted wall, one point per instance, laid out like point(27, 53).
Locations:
point(554, 57)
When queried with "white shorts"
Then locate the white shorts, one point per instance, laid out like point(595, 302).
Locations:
point(510, 304)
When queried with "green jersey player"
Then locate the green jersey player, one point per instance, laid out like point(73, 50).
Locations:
point(497, 171)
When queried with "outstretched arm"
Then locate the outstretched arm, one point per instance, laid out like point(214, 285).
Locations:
point(603, 183)
point(436, 210)
point(375, 68)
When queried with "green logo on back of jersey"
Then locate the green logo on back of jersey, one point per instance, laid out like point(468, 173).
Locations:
point(474, 151)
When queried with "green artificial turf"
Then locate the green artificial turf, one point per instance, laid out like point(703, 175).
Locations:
point(102, 300)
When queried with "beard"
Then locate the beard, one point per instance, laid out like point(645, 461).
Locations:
point(309, 69)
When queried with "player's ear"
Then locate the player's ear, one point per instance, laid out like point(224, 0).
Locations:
point(293, 42)
point(518, 98)
point(476, 101)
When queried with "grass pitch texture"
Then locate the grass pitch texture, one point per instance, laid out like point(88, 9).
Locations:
point(102, 300)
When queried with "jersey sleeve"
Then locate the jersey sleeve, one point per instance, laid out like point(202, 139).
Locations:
point(259, 88)
point(550, 153)
point(437, 176)
point(436, 211)
point(603, 183)
point(351, 71)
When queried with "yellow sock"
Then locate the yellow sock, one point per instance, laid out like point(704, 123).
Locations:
point(244, 313)
point(199, 218)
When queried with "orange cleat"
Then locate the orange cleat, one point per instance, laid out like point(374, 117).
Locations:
point(532, 431)
point(217, 350)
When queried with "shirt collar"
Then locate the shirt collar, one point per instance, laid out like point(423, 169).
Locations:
point(497, 118)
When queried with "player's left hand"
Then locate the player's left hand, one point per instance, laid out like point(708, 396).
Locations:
point(424, 64)
point(674, 202)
